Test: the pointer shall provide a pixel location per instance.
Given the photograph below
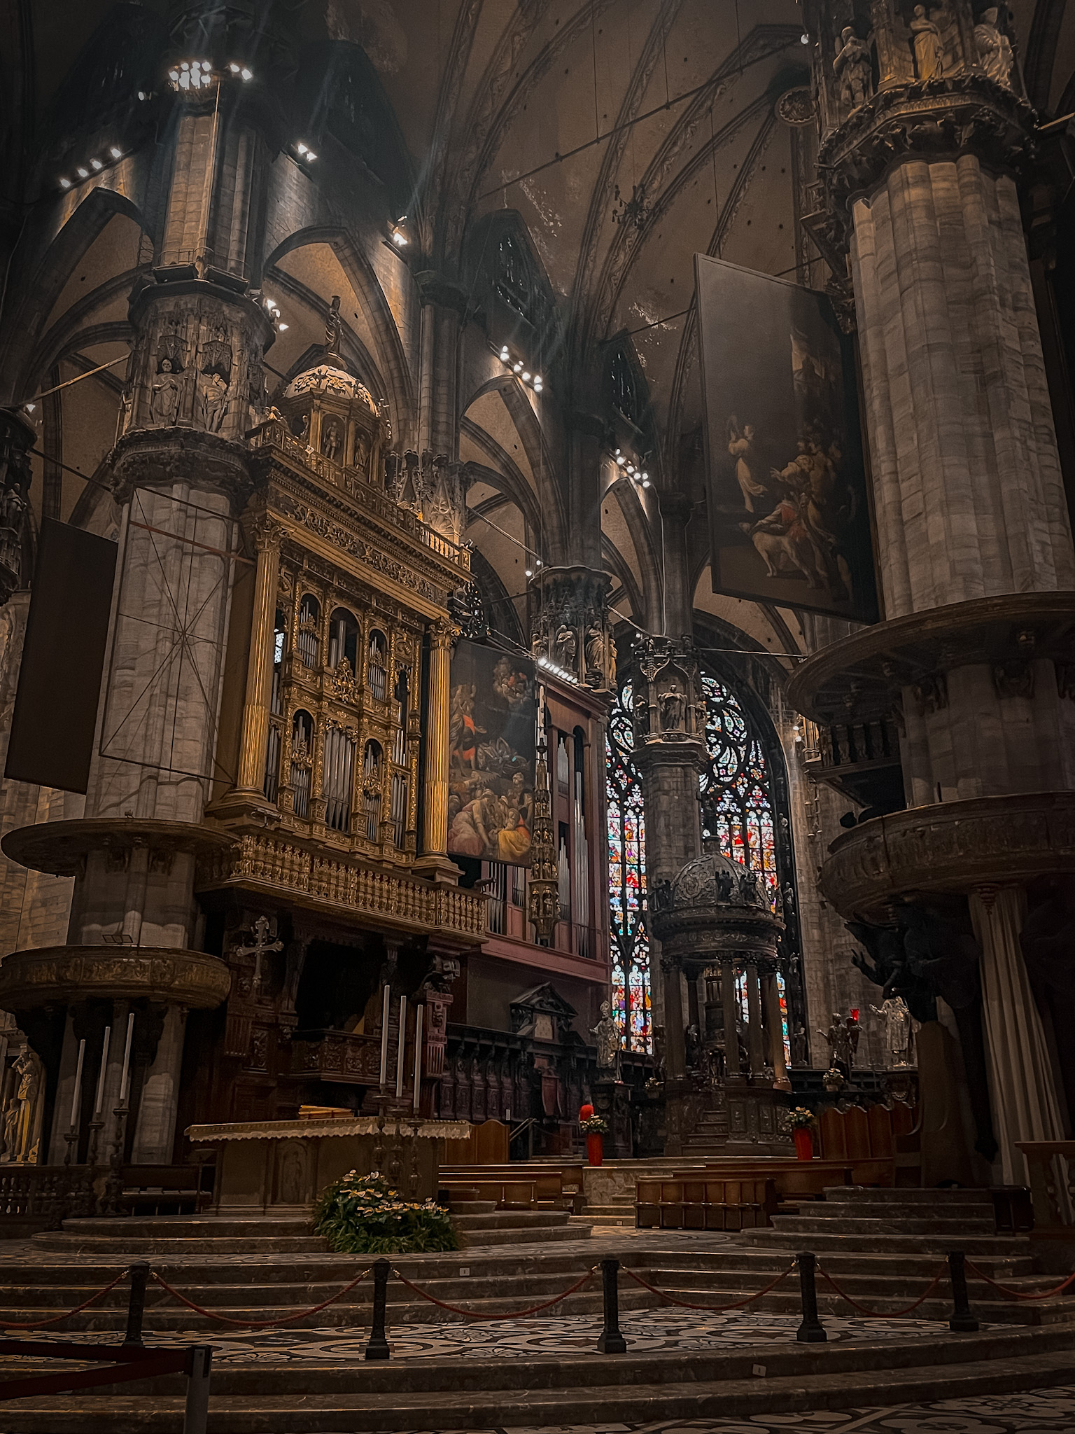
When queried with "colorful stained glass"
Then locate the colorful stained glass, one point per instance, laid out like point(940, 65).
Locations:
point(626, 881)
point(737, 807)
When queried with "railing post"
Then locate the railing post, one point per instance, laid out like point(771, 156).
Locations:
point(377, 1345)
point(811, 1330)
point(196, 1413)
point(136, 1303)
point(962, 1321)
point(611, 1340)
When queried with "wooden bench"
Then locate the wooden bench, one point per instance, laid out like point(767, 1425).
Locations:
point(512, 1188)
point(166, 1189)
point(699, 1201)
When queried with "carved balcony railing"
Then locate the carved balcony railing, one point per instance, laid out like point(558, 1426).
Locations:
point(275, 434)
point(343, 883)
point(343, 1056)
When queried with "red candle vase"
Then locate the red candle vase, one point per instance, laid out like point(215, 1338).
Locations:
point(804, 1144)
point(585, 1111)
point(594, 1149)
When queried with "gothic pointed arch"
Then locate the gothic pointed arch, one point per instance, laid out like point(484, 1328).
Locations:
point(511, 288)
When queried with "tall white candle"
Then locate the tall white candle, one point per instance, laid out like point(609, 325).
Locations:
point(401, 1041)
point(418, 1056)
point(385, 1016)
point(76, 1094)
point(99, 1097)
point(124, 1079)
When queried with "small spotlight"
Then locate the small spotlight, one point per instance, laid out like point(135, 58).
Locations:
point(83, 172)
point(30, 407)
point(529, 572)
point(646, 483)
point(96, 164)
point(517, 368)
point(141, 94)
point(620, 459)
point(526, 376)
point(65, 184)
point(400, 240)
point(543, 662)
point(537, 378)
point(804, 38)
point(302, 149)
point(185, 65)
point(282, 327)
point(173, 75)
point(246, 74)
point(234, 68)
point(310, 154)
point(538, 563)
point(504, 354)
point(645, 477)
point(116, 152)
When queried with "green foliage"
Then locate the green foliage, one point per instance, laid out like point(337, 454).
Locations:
point(800, 1118)
point(594, 1126)
point(363, 1215)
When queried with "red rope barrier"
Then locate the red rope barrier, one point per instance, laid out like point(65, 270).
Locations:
point(55, 1319)
point(712, 1309)
point(1020, 1294)
point(884, 1314)
point(517, 1314)
point(256, 1323)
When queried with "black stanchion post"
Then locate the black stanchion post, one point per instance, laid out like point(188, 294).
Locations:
point(136, 1303)
point(811, 1331)
point(962, 1321)
point(377, 1346)
point(196, 1413)
point(611, 1340)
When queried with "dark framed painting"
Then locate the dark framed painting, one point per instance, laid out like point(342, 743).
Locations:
point(788, 508)
point(491, 754)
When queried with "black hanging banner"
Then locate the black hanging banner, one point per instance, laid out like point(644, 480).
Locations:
point(62, 659)
point(788, 511)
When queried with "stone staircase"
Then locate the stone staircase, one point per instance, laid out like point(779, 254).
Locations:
point(709, 1136)
point(480, 1222)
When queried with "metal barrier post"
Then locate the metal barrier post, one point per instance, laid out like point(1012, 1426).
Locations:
point(611, 1340)
point(196, 1413)
point(136, 1303)
point(377, 1345)
point(962, 1321)
point(811, 1330)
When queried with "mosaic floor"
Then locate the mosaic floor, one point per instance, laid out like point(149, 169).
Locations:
point(1044, 1411)
point(648, 1331)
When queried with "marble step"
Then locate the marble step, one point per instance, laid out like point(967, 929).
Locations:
point(523, 1235)
point(605, 1392)
point(891, 1210)
point(869, 1228)
point(886, 1194)
point(973, 1245)
point(214, 1227)
point(510, 1220)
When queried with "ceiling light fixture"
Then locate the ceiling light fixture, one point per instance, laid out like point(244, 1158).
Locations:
point(96, 165)
point(65, 184)
point(116, 152)
point(282, 327)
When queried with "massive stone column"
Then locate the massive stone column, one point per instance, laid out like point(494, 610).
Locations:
point(434, 860)
point(921, 201)
point(180, 474)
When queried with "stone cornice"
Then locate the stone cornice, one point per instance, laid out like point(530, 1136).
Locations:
point(949, 116)
point(59, 975)
point(860, 677)
point(59, 848)
point(160, 457)
point(950, 847)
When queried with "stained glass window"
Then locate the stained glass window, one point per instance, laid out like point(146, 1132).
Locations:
point(737, 807)
point(627, 878)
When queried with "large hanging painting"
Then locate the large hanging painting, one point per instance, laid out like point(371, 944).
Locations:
point(787, 493)
point(492, 739)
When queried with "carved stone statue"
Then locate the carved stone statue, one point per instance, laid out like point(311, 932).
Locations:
point(897, 1018)
point(609, 1051)
point(165, 395)
point(330, 443)
point(693, 1043)
point(22, 1120)
point(333, 327)
point(928, 50)
point(566, 646)
point(852, 69)
point(994, 47)
point(841, 1042)
point(212, 401)
point(671, 710)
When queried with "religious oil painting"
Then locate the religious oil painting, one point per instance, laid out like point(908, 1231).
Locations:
point(788, 510)
point(492, 737)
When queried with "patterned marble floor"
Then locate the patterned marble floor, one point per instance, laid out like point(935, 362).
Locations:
point(1043, 1411)
point(646, 1331)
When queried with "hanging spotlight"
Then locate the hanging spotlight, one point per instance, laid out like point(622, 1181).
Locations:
point(65, 184)
point(504, 355)
point(246, 74)
point(116, 152)
point(517, 368)
point(804, 38)
point(96, 165)
point(282, 327)
point(526, 376)
point(529, 572)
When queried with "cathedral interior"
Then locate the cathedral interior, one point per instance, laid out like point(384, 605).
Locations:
point(536, 573)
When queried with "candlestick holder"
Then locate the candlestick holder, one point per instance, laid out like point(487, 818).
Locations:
point(413, 1170)
point(378, 1144)
point(113, 1190)
point(70, 1137)
point(395, 1157)
point(96, 1126)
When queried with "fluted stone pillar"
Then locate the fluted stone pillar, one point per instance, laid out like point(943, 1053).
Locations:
point(250, 780)
point(729, 1002)
point(777, 1055)
point(755, 1034)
